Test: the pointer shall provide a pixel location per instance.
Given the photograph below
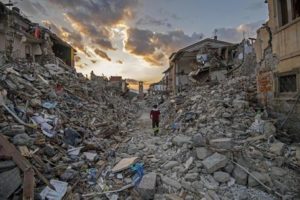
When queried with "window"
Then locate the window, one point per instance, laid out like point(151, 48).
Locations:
point(288, 83)
point(296, 8)
point(289, 10)
point(284, 17)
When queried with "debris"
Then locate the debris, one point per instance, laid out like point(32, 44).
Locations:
point(221, 177)
point(221, 143)
point(179, 140)
point(256, 179)
point(58, 193)
point(277, 148)
point(215, 162)
point(49, 105)
point(202, 153)
point(10, 181)
point(72, 137)
point(146, 188)
point(90, 156)
point(23, 139)
point(240, 176)
point(171, 182)
point(6, 165)
point(124, 164)
point(170, 165)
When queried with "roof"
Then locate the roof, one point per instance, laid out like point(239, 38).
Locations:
point(198, 45)
point(208, 41)
point(115, 78)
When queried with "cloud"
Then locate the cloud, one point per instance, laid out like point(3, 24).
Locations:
point(155, 48)
point(150, 21)
point(94, 61)
point(237, 34)
point(120, 62)
point(102, 54)
point(95, 19)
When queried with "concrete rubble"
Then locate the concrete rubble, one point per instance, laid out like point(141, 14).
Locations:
point(215, 143)
point(65, 125)
point(237, 149)
point(66, 136)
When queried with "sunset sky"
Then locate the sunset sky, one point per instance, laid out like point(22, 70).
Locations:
point(134, 38)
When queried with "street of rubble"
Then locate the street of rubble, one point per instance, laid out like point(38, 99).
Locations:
point(64, 136)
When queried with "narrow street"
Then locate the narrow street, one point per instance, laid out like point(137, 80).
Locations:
point(78, 80)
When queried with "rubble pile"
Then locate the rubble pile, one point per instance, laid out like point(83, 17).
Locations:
point(218, 147)
point(59, 123)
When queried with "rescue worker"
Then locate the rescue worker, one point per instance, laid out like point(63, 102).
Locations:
point(154, 115)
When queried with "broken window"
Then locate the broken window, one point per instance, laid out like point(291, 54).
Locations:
point(288, 83)
point(283, 8)
point(296, 8)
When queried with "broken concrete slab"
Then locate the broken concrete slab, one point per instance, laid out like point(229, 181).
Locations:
point(179, 140)
point(298, 153)
point(262, 177)
point(279, 172)
point(240, 176)
point(10, 181)
point(171, 164)
point(221, 177)
point(277, 148)
point(202, 153)
point(191, 177)
point(215, 162)
point(124, 164)
point(23, 140)
point(198, 140)
point(147, 186)
point(221, 143)
point(173, 197)
point(7, 165)
point(90, 156)
point(171, 182)
point(188, 163)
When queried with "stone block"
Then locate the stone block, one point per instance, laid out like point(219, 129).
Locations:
point(179, 140)
point(240, 176)
point(170, 165)
point(171, 182)
point(263, 177)
point(221, 143)
point(202, 153)
point(215, 162)
point(147, 186)
point(277, 148)
point(221, 177)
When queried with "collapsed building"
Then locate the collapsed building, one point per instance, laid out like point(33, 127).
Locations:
point(207, 60)
point(278, 57)
point(21, 39)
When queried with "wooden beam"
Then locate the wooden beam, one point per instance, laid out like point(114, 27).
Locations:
point(9, 150)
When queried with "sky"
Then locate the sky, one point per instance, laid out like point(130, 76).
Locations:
point(134, 38)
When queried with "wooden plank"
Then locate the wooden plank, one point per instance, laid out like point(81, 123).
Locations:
point(9, 150)
point(24, 151)
point(28, 184)
point(124, 164)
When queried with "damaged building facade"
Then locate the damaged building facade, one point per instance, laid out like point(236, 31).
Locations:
point(21, 39)
point(207, 60)
point(278, 57)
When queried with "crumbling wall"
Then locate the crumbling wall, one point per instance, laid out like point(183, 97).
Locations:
point(276, 56)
